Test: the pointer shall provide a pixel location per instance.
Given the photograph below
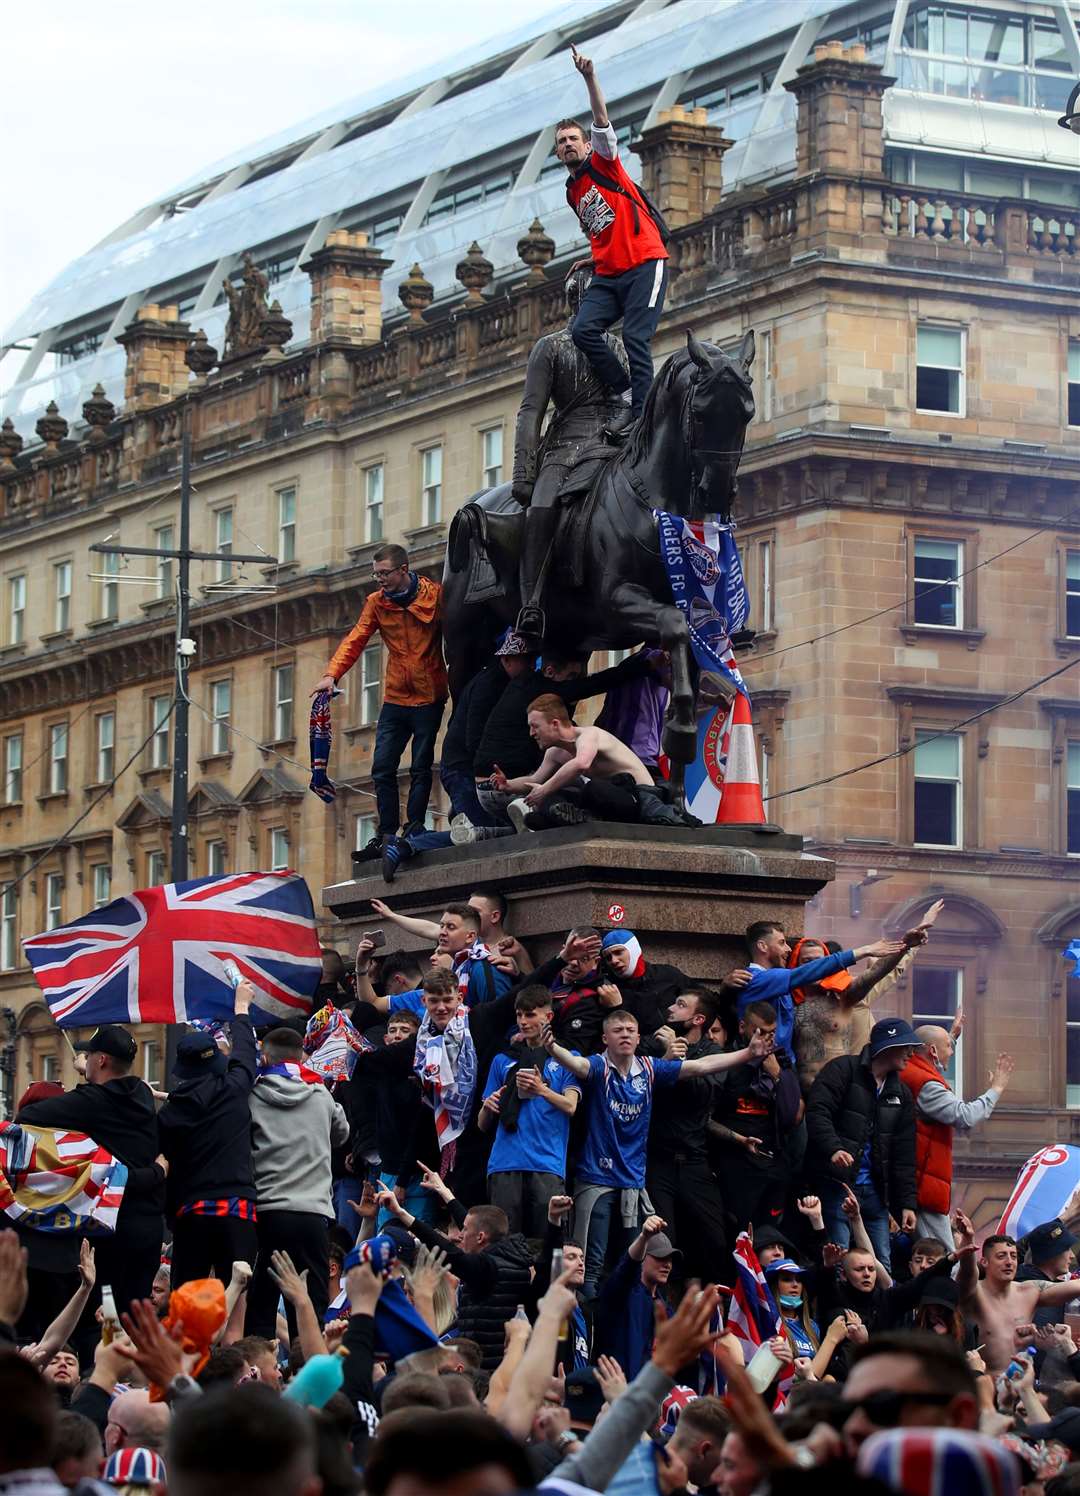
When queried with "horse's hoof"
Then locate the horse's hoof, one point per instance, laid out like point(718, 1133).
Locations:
point(680, 742)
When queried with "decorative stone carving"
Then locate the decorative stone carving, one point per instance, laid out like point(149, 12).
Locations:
point(98, 413)
point(52, 428)
point(416, 293)
point(200, 355)
point(11, 444)
point(275, 331)
point(475, 272)
point(247, 311)
point(536, 248)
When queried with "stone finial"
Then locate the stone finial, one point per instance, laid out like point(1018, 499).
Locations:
point(51, 427)
point(200, 355)
point(537, 249)
point(98, 413)
point(475, 272)
point(416, 293)
point(11, 444)
point(275, 330)
point(346, 289)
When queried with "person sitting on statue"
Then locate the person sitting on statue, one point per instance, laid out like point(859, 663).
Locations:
point(627, 238)
point(558, 375)
point(572, 757)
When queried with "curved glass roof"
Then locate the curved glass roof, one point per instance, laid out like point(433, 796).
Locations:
point(480, 114)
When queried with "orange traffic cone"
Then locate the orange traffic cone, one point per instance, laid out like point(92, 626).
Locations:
point(740, 799)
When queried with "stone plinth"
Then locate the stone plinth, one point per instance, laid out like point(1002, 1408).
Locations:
point(688, 895)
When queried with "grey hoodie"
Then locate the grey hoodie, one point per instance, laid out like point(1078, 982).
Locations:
point(293, 1127)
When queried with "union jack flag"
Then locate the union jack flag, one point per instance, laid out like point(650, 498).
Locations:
point(58, 1181)
point(752, 1318)
point(156, 956)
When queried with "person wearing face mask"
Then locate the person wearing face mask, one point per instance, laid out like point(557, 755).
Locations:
point(786, 1279)
point(648, 988)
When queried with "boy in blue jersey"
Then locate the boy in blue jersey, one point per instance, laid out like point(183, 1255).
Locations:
point(772, 981)
point(618, 1089)
point(529, 1098)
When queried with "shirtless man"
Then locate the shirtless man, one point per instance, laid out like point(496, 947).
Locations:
point(573, 754)
point(826, 1020)
point(1003, 1308)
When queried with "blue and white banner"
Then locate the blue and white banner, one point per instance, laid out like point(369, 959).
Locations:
point(707, 585)
point(1043, 1191)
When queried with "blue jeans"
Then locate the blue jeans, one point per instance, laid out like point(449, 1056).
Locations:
point(460, 787)
point(396, 725)
point(605, 1229)
point(637, 296)
point(419, 1202)
point(875, 1218)
point(347, 1188)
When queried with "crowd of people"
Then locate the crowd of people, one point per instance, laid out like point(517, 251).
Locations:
point(487, 1226)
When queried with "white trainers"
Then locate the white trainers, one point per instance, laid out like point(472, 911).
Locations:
point(517, 810)
point(462, 830)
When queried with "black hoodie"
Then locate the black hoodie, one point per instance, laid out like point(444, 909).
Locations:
point(205, 1129)
point(119, 1115)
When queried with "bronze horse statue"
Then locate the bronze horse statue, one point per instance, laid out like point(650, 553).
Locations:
point(607, 587)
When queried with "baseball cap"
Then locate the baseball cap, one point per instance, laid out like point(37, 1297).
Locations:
point(515, 645)
point(198, 1055)
point(661, 1246)
point(786, 1265)
point(109, 1039)
point(892, 1033)
point(582, 1397)
point(1048, 1239)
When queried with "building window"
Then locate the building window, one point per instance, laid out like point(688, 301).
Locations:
point(1074, 384)
point(492, 460)
point(58, 758)
point(373, 503)
point(105, 735)
point(110, 589)
point(939, 374)
point(159, 743)
point(1072, 594)
point(223, 541)
point(54, 900)
point(13, 769)
point(764, 362)
point(283, 703)
point(367, 827)
point(938, 789)
point(50, 1069)
point(370, 684)
point(938, 583)
point(155, 869)
point(279, 849)
point(16, 610)
point(62, 596)
point(152, 1066)
point(220, 707)
point(215, 859)
point(101, 882)
point(286, 525)
point(9, 928)
point(431, 485)
point(1072, 800)
point(163, 541)
point(936, 998)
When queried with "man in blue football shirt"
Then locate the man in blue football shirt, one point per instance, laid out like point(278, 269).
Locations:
point(618, 1089)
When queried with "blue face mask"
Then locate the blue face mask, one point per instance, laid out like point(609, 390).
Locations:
point(791, 1300)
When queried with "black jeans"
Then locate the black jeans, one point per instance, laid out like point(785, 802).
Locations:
point(129, 1268)
point(306, 1238)
point(397, 724)
point(684, 1192)
point(524, 1195)
point(637, 296)
point(207, 1247)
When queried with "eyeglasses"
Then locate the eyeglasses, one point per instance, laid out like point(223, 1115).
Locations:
point(884, 1409)
point(388, 571)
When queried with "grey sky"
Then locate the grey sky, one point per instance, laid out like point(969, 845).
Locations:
point(103, 109)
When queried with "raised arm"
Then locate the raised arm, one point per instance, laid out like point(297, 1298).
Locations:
point(424, 929)
point(711, 1064)
point(597, 103)
point(577, 1064)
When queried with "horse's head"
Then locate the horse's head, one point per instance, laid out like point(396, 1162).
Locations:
point(720, 407)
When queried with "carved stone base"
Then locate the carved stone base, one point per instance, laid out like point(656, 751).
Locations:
point(689, 895)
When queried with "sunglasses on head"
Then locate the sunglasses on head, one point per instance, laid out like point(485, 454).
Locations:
point(884, 1409)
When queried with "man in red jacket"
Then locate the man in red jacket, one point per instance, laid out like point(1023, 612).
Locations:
point(627, 248)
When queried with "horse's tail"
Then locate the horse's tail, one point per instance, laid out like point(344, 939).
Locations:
point(468, 532)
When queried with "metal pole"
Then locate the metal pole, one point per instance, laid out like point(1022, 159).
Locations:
point(180, 869)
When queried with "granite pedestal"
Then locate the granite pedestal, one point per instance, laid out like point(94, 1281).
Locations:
point(688, 894)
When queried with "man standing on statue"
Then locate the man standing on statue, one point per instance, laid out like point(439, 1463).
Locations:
point(406, 609)
point(627, 236)
point(559, 375)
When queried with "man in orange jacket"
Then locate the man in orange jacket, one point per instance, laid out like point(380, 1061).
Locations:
point(406, 610)
point(938, 1112)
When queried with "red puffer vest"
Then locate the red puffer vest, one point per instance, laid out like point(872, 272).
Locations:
point(933, 1141)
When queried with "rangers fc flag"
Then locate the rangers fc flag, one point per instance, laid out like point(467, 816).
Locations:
point(157, 955)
